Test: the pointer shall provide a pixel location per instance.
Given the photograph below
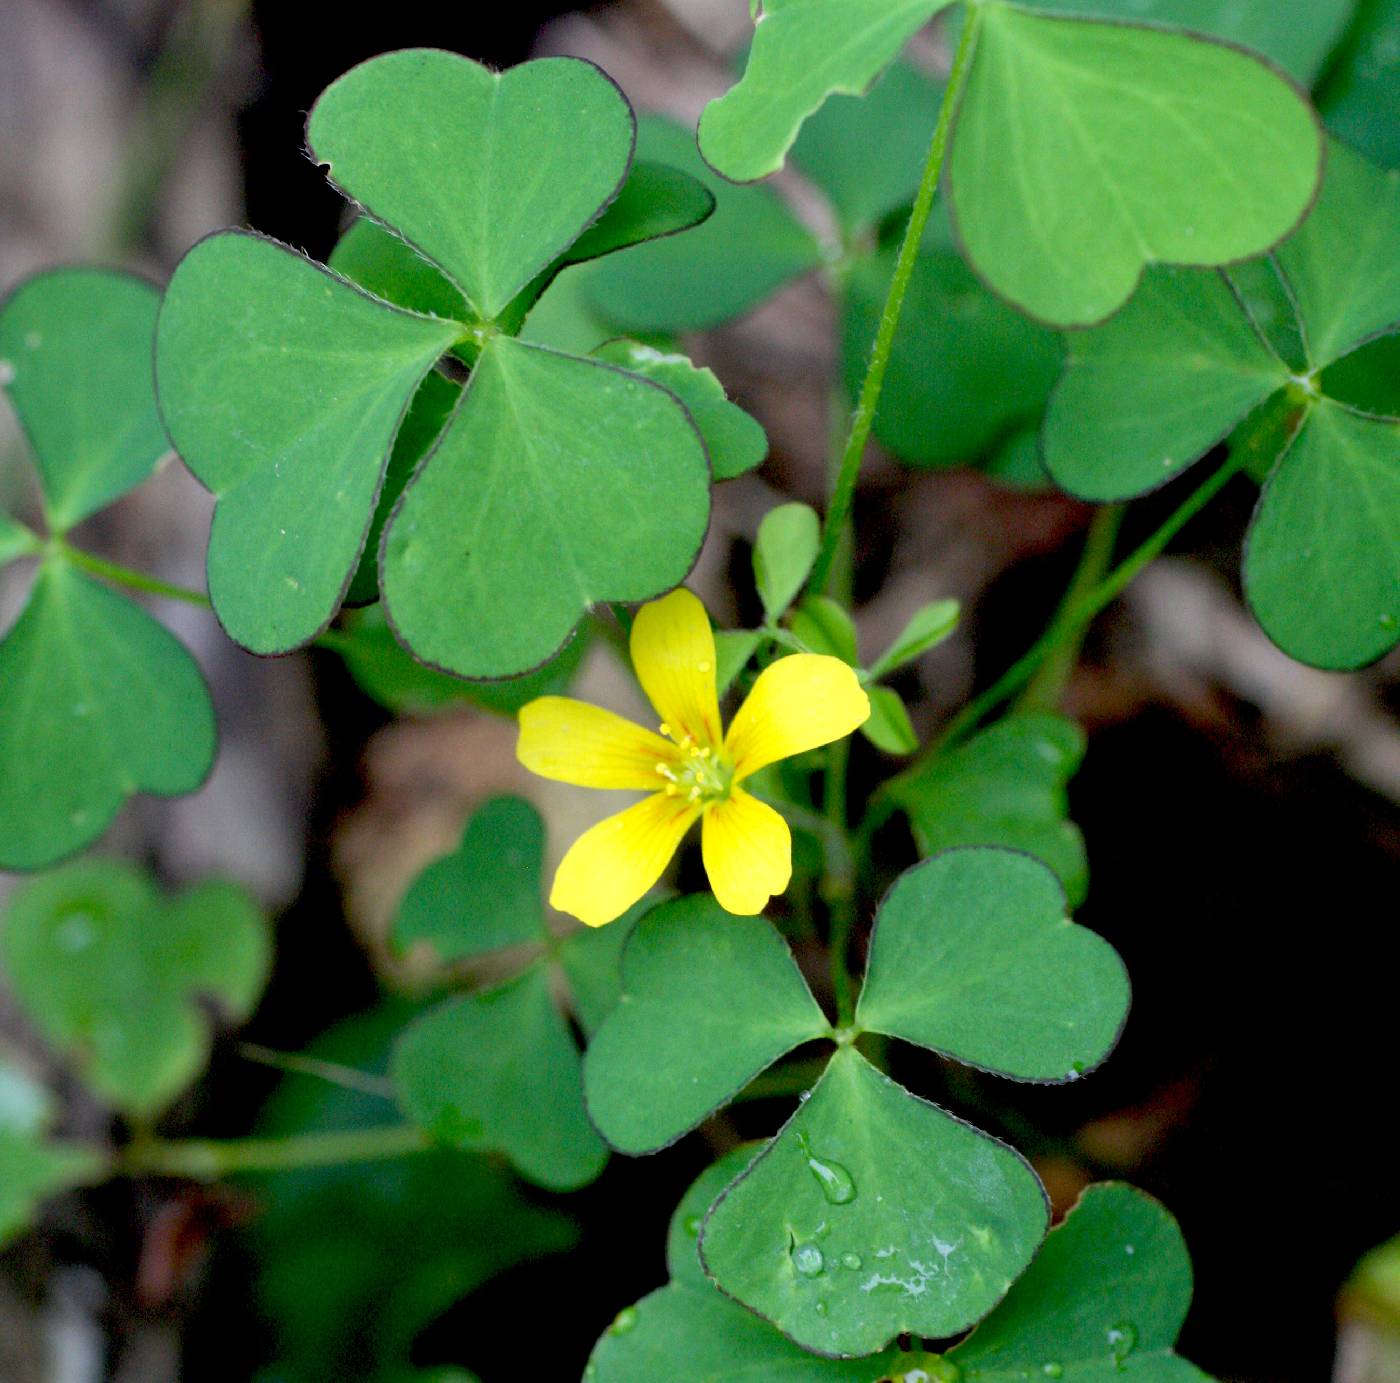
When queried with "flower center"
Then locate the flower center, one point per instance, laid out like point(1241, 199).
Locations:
point(701, 775)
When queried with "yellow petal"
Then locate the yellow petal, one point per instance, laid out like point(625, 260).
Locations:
point(673, 651)
point(612, 865)
point(748, 852)
point(797, 704)
point(573, 742)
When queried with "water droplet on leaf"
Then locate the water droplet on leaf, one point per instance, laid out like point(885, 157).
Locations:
point(625, 1320)
point(838, 1185)
point(808, 1259)
point(1052, 1369)
point(692, 1225)
point(1122, 1340)
point(850, 1260)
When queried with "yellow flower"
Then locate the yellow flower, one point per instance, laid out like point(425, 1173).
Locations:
point(691, 769)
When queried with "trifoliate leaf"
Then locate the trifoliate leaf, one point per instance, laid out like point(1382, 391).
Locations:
point(75, 360)
point(871, 1214)
point(736, 442)
point(709, 1001)
point(974, 957)
point(1005, 786)
point(1126, 145)
point(97, 702)
point(1106, 1296)
point(112, 973)
point(499, 1069)
point(485, 895)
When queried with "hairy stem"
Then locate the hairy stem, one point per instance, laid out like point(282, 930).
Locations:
point(843, 493)
point(211, 1159)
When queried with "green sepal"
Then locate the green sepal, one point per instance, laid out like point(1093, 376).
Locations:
point(113, 974)
point(974, 956)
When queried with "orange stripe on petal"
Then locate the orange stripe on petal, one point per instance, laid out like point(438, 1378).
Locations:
point(797, 704)
point(748, 853)
point(609, 867)
point(573, 742)
point(673, 651)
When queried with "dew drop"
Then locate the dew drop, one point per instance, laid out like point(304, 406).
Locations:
point(1388, 621)
point(808, 1260)
point(1053, 1369)
point(625, 1320)
point(76, 931)
point(838, 1185)
point(692, 1225)
point(821, 1308)
point(850, 1260)
point(1122, 1340)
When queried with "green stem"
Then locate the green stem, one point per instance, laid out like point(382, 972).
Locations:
point(332, 1072)
point(211, 1159)
point(1268, 433)
point(1047, 687)
point(864, 417)
point(133, 580)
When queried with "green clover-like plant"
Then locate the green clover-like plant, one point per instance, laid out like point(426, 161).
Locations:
point(1084, 150)
point(1005, 786)
point(112, 972)
point(556, 481)
point(1148, 394)
point(33, 1165)
point(499, 1068)
point(97, 700)
point(1105, 1297)
point(872, 1213)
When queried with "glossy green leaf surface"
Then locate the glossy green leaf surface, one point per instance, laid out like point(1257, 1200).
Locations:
point(709, 1000)
point(965, 369)
point(656, 201)
point(561, 483)
point(1299, 36)
point(499, 1069)
point(1005, 786)
point(485, 895)
point(1086, 151)
point(422, 425)
point(97, 702)
point(1322, 561)
point(803, 51)
point(1148, 393)
point(112, 973)
point(783, 554)
point(75, 360)
point(928, 626)
point(32, 1166)
point(974, 957)
point(482, 171)
point(1343, 265)
point(873, 1213)
point(896, 116)
point(750, 247)
point(735, 441)
point(283, 388)
point(1105, 1298)
point(386, 671)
